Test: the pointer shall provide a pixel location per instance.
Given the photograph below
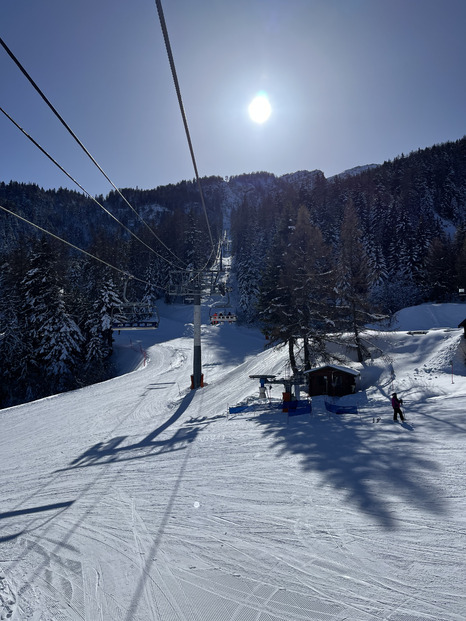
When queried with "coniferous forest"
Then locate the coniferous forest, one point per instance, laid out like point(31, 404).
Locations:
point(313, 258)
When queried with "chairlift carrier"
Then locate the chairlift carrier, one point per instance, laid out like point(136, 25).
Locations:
point(219, 312)
point(221, 317)
point(134, 315)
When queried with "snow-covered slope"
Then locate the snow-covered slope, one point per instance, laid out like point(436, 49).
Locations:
point(356, 170)
point(137, 499)
point(426, 316)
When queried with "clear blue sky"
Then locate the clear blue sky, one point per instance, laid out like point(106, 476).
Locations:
point(351, 82)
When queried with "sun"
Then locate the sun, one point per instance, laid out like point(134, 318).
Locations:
point(260, 108)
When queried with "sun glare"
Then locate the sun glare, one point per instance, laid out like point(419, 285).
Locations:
point(260, 108)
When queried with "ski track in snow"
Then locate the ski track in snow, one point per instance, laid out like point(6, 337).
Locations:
point(138, 500)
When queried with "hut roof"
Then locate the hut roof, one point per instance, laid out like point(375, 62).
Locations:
point(335, 367)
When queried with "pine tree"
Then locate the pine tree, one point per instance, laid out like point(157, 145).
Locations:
point(461, 260)
point(53, 336)
point(95, 302)
point(13, 347)
point(248, 275)
point(150, 288)
point(107, 304)
point(274, 295)
point(440, 269)
point(355, 309)
point(248, 267)
point(311, 273)
point(194, 245)
point(296, 294)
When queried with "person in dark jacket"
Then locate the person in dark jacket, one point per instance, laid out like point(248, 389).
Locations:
point(396, 405)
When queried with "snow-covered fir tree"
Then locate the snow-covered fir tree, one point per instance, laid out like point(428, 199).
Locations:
point(54, 338)
point(14, 351)
point(107, 305)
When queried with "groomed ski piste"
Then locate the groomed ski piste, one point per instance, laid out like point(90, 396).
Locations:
point(138, 499)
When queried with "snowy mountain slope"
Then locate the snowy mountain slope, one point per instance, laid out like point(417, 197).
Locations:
point(136, 499)
point(356, 170)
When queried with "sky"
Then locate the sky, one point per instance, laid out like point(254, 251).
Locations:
point(350, 83)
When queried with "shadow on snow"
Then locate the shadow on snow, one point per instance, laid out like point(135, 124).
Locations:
point(378, 476)
point(114, 450)
point(58, 506)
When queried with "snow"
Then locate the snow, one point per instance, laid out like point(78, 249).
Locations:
point(427, 316)
point(137, 499)
point(337, 368)
point(356, 170)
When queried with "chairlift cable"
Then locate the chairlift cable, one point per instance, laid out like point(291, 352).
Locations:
point(40, 228)
point(183, 114)
point(123, 324)
point(83, 189)
point(68, 128)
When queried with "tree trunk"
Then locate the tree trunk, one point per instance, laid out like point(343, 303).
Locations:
point(307, 359)
point(357, 339)
point(294, 367)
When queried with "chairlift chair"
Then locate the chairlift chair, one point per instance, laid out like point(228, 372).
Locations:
point(219, 312)
point(221, 317)
point(134, 315)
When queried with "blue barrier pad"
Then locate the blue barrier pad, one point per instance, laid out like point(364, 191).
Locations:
point(239, 408)
point(275, 405)
point(300, 407)
point(297, 408)
point(300, 411)
point(341, 409)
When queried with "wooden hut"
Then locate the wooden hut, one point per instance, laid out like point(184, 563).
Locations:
point(331, 380)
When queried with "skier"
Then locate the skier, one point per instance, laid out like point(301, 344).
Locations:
point(396, 405)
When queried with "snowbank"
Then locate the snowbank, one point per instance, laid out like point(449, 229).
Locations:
point(428, 316)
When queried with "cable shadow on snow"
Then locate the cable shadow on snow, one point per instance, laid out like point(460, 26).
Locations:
point(377, 476)
point(433, 416)
point(32, 510)
point(57, 508)
point(115, 451)
point(149, 559)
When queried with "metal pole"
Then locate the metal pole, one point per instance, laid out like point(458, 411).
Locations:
point(197, 380)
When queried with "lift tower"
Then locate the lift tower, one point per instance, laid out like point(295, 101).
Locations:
point(197, 379)
point(191, 283)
